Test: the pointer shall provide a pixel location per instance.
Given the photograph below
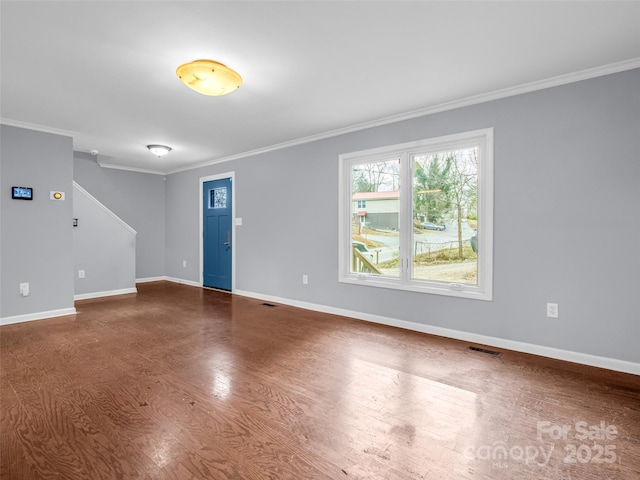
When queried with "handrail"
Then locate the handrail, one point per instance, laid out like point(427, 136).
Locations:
point(362, 264)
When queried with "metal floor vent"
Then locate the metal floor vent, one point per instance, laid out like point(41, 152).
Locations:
point(268, 304)
point(484, 350)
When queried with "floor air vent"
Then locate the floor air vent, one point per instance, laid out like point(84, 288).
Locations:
point(484, 350)
point(268, 304)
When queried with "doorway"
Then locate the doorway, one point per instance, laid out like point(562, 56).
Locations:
point(217, 231)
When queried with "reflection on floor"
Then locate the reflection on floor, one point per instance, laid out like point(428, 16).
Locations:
point(177, 382)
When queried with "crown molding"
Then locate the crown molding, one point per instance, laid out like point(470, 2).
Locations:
point(443, 107)
point(573, 77)
point(129, 169)
point(38, 128)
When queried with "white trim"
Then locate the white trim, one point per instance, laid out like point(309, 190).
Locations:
point(540, 350)
point(150, 279)
point(103, 207)
point(219, 176)
point(529, 87)
point(164, 278)
point(108, 293)
point(29, 317)
point(443, 107)
point(37, 128)
point(183, 281)
point(129, 169)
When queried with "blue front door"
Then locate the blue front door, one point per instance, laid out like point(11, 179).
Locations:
point(217, 241)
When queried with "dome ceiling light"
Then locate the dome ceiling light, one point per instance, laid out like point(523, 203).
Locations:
point(159, 150)
point(209, 78)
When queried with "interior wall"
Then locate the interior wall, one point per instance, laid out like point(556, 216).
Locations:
point(104, 249)
point(36, 236)
point(138, 199)
point(565, 230)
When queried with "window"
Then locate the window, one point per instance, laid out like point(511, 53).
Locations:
point(218, 197)
point(428, 226)
point(362, 204)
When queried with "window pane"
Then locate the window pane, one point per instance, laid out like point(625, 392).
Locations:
point(375, 208)
point(218, 198)
point(445, 216)
point(418, 216)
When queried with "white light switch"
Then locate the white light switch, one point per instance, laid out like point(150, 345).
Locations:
point(238, 220)
point(24, 289)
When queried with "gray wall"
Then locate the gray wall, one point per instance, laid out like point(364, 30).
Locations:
point(36, 236)
point(566, 229)
point(138, 199)
point(103, 247)
point(566, 223)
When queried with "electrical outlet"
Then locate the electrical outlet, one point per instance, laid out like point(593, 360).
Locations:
point(80, 273)
point(24, 289)
point(305, 279)
point(552, 310)
point(184, 263)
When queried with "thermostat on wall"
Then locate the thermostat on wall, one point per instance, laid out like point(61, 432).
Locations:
point(57, 195)
point(22, 193)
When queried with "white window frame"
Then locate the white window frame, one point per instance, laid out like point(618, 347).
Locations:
point(482, 138)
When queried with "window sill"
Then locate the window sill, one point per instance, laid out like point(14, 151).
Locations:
point(417, 286)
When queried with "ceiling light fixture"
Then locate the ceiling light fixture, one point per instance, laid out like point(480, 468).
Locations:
point(159, 150)
point(209, 78)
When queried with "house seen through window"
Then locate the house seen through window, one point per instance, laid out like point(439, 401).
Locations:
point(418, 216)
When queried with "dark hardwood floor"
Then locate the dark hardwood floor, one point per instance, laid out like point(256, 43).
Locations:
point(178, 382)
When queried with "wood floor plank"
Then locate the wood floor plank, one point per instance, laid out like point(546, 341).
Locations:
point(179, 382)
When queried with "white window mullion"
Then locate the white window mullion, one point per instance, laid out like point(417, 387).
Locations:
point(485, 213)
point(406, 221)
point(373, 176)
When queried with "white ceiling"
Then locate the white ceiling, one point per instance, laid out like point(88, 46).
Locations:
point(106, 70)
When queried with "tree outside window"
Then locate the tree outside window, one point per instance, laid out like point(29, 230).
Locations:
point(428, 220)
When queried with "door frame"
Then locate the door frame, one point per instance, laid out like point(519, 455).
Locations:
point(231, 175)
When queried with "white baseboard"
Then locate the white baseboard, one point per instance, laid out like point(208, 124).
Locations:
point(108, 293)
point(182, 281)
point(150, 279)
point(566, 355)
point(37, 316)
point(169, 279)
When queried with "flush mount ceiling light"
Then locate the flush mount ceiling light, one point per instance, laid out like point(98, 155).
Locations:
point(159, 150)
point(209, 78)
